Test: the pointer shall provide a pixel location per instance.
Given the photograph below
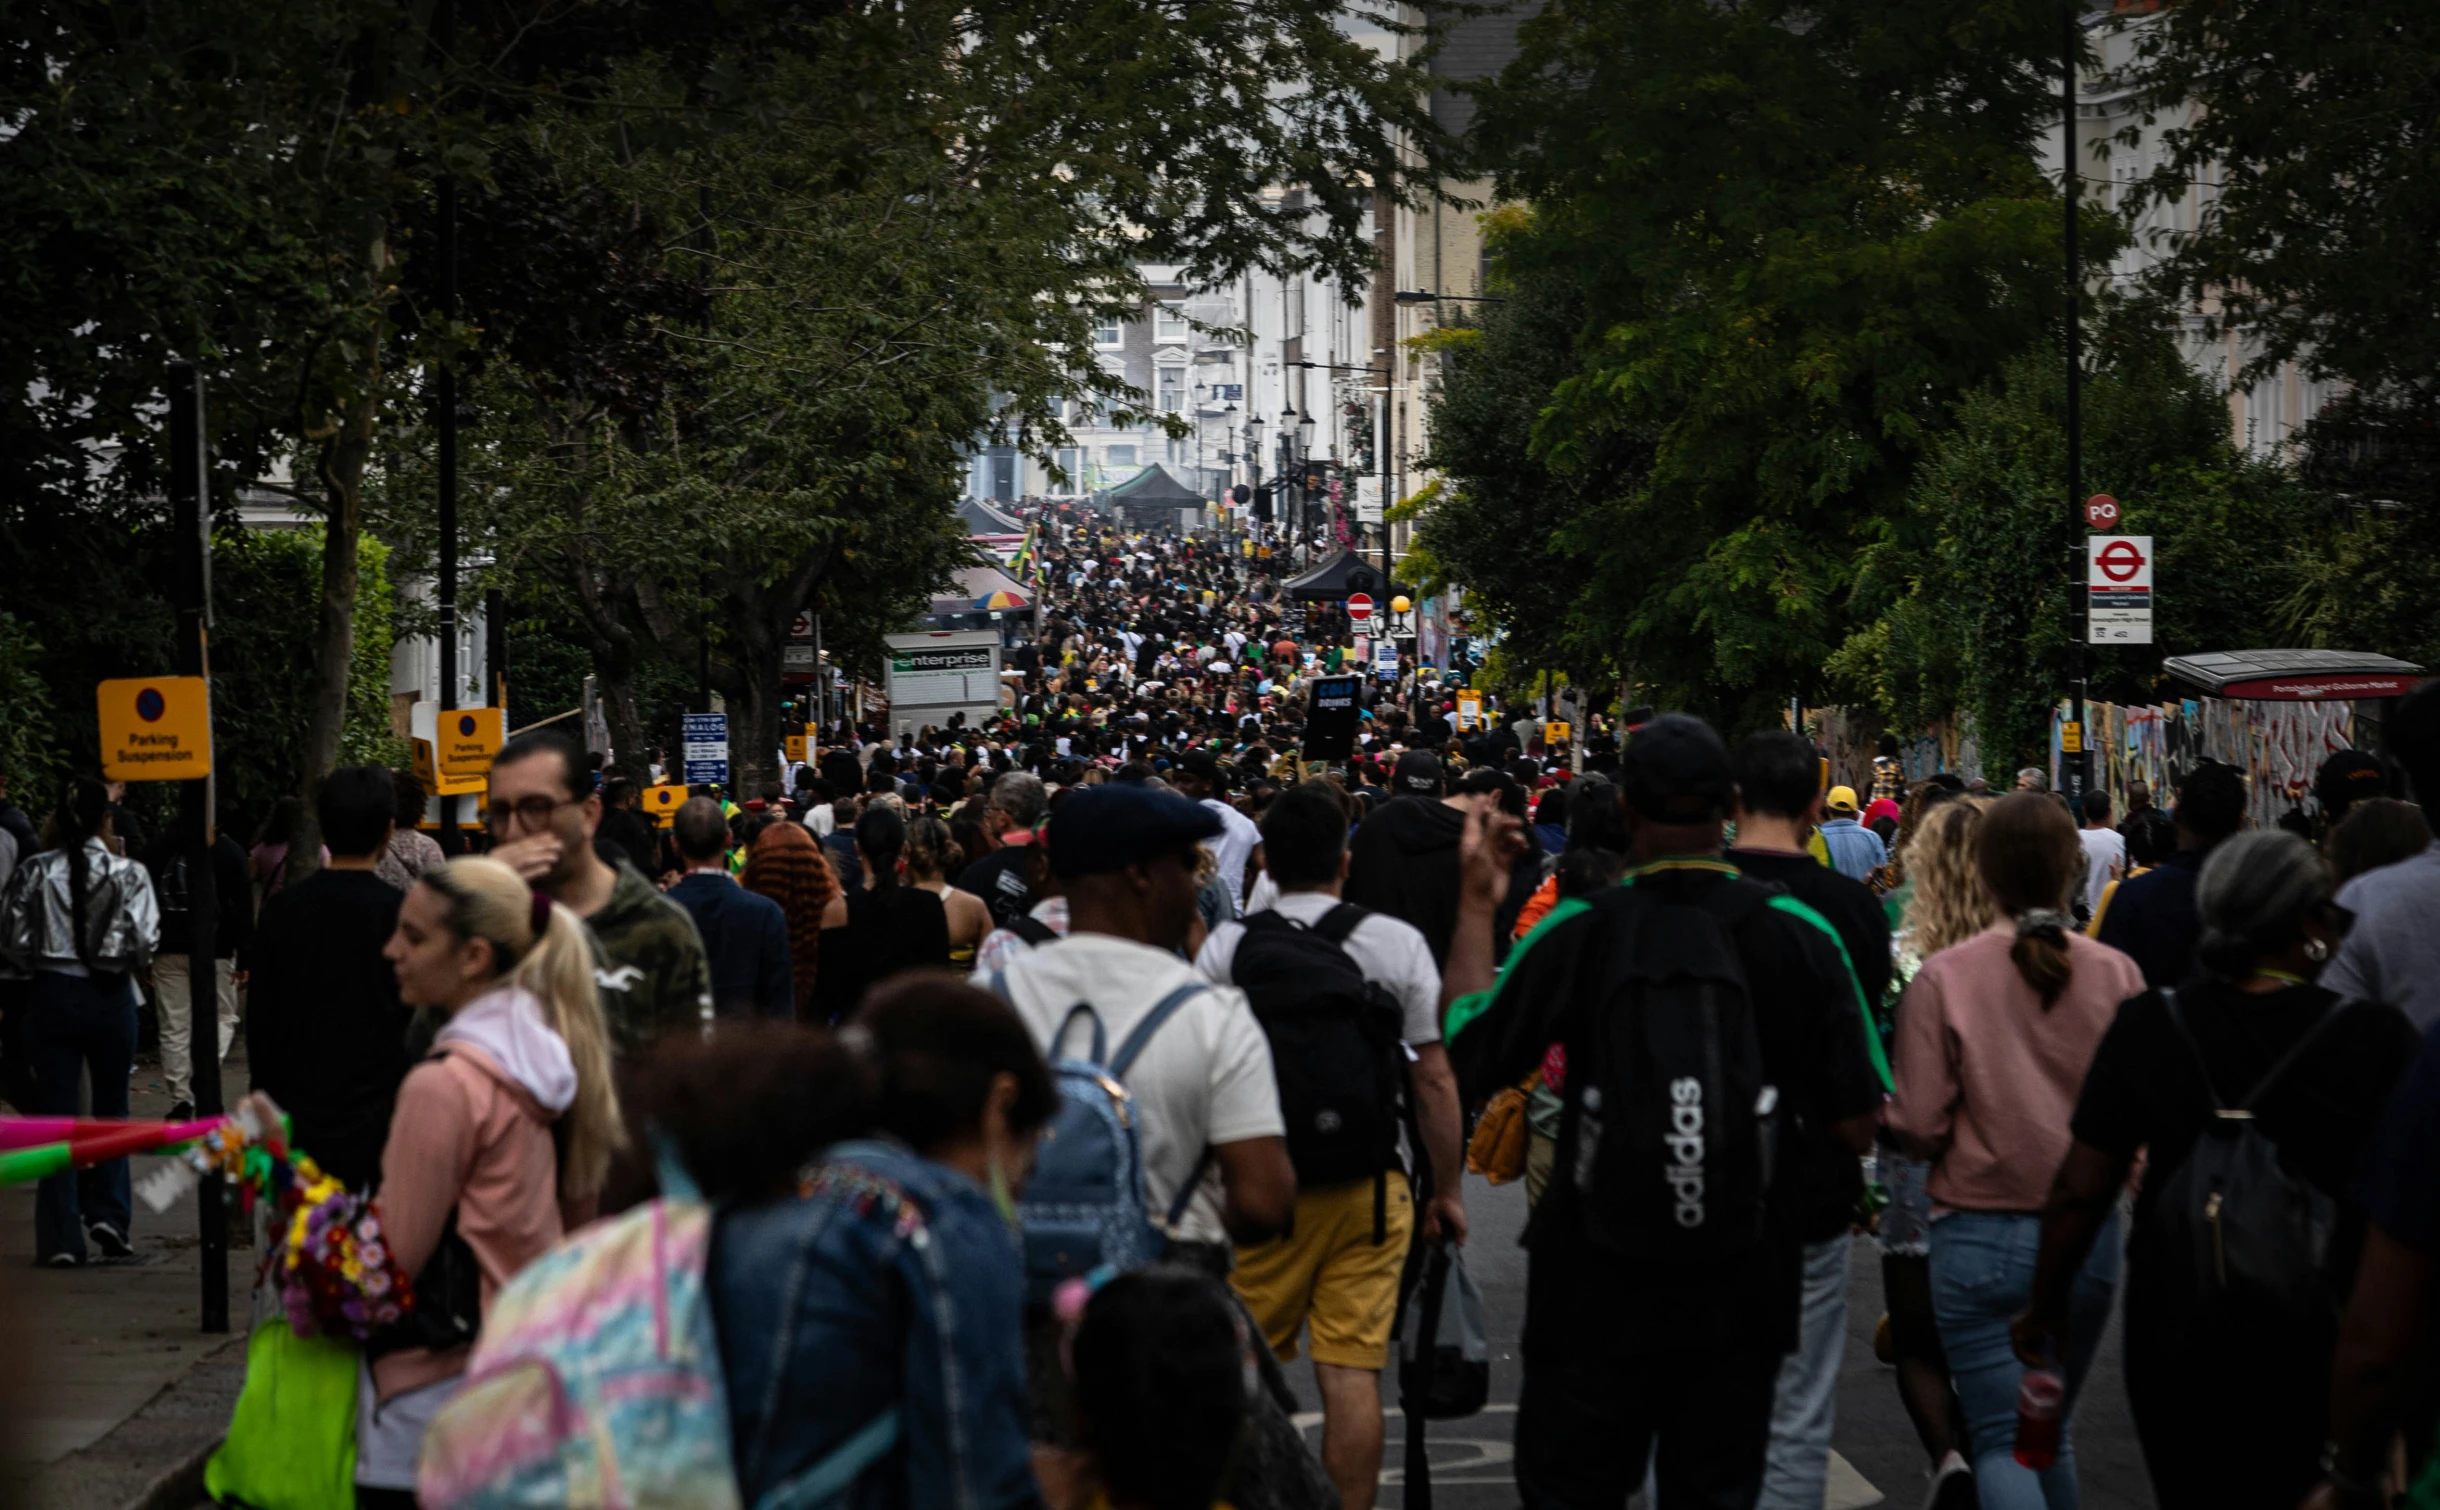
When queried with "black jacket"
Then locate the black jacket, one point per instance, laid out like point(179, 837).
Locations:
point(1403, 861)
point(166, 859)
point(746, 936)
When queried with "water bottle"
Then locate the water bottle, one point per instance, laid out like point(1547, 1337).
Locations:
point(1588, 1135)
point(2041, 1409)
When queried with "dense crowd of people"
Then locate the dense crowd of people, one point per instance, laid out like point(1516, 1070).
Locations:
point(1050, 1080)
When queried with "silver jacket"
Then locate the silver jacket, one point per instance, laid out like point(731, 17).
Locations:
point(122, 916)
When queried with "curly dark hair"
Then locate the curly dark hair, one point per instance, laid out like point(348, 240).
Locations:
point(786, 865)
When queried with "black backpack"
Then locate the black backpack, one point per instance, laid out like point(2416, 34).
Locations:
point(1674, 1121)
point(2251, 1239)
point(1335, 1046)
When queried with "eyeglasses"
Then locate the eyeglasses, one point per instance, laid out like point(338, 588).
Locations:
point(534, 811)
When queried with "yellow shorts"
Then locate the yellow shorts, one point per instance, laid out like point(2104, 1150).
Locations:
point(1329, 1273)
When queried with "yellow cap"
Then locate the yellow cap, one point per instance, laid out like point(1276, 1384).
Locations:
point(1841, 799)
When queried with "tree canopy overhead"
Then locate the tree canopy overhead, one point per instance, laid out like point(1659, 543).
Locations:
point(738, 286)
point(1797, 233)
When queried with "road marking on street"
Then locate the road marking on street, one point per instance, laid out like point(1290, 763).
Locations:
point(1846, 1489)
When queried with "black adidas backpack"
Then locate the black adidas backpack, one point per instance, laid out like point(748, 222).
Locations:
point(1335, 1046)
point(2250, 1238)
point(1675, 1123)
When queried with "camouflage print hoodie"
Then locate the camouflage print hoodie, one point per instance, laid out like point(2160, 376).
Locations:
point(649, 962)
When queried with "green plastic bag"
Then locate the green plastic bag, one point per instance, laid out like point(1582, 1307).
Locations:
point(292, 1441)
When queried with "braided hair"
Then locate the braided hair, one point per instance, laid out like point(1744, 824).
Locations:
point(84, 811)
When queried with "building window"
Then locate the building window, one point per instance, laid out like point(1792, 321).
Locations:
point(1168, 323)
point(1122, 456)
point(1071, 468)
point(1172, 390)
point(1108, 333)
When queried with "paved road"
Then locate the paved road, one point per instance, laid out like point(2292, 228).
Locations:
point(1883, 1464)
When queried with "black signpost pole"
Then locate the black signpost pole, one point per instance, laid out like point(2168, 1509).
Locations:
point(191, 576)
point(2072, 763)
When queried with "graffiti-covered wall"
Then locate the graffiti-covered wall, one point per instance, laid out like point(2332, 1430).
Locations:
point(2278, 745)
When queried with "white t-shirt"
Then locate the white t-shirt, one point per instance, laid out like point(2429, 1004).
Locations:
point(821, 820)
point(2105, 860)
point(1203, 1079)
point(1390, 951)
point(1233, 845)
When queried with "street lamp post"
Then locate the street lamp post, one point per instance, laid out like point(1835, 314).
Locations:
point(1290, 476)
point(1305, 426)
point(1253, 451)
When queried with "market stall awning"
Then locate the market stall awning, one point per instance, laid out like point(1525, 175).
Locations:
point(2295, 675)
point(984, 589)
point(981, 519)
point(1343, 575)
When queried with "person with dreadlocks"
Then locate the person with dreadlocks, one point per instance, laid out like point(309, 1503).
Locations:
point(80, 920)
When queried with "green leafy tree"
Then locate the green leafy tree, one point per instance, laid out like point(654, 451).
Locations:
point(1500, 519)
point(2310, 132)
point(1801, 232)
point(1977, 613)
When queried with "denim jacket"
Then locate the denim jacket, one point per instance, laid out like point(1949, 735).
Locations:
point(1855, 851)
point(886, 1281)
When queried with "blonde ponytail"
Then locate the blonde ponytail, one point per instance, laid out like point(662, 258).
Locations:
point(489, 901)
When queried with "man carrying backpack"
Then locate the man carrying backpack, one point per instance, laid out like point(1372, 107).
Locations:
point(1709, 1029)
point(1344, 994)
point(1206, 1108)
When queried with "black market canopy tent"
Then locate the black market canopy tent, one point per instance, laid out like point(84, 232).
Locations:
point(2295, 675)
point(1155, 487)
point(1341, 577)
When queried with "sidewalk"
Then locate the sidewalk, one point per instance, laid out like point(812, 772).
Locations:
point(116, 1395)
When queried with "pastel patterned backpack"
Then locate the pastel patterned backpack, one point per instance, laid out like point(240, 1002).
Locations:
point(597, 1382)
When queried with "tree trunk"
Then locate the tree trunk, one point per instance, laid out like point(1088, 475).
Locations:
point(341, 467)
point(751, 685)
point(614, 684)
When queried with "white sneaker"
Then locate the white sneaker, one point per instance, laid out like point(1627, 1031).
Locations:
point(1952, 1486)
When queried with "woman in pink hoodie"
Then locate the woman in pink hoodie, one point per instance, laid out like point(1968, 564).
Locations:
point(475, 1180)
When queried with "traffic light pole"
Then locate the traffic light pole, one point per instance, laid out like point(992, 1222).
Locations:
point(2074, 765)
point(191, 590)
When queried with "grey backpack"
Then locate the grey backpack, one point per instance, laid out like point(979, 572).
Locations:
point(2251, 1236)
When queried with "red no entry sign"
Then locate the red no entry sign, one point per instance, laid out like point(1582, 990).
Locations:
point(2120, 560)
point(2101, 511)
point(1359, 608)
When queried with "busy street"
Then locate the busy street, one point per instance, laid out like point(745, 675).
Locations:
point(966, 755)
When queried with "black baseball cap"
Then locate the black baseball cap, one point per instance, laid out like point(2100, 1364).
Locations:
point(1200, 762)
point(1675, 770)
point(1110, 827)
point(2346, 778)
point(1418, 773)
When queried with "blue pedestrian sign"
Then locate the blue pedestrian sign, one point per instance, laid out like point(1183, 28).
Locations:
point(706, 752)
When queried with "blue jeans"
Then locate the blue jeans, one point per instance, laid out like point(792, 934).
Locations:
point(74, 1023)
point(1797, 1471)
point(1982, 1275)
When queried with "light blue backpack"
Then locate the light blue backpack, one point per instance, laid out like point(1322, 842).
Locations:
point(1085, 1207)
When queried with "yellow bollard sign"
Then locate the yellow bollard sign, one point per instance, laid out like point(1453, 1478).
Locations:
point(469, 737)
point(796, 748)
point(156, 728)
point(661, 803)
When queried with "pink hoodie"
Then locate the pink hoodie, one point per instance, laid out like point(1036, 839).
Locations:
point(1987, 1079)
point(472, 1131)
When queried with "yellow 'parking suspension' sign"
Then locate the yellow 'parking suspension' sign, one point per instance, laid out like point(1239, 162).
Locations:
point(156, 728)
